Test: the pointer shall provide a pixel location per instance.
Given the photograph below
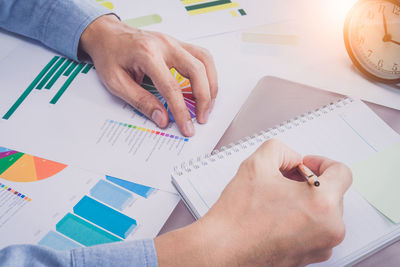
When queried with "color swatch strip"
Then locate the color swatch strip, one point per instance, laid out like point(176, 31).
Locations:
point(48, 77)
point(138, 128)
point(186, 90)
point(16, 193)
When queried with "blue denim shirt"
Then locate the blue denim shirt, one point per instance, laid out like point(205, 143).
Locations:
point(132, 253)
point(59, 25)
point(56, 23)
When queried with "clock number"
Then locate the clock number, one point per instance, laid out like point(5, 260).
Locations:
point(395, 67)
point(380, 63)
point(369, 53)
point(396, 10)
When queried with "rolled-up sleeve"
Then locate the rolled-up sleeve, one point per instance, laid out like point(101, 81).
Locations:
point(56, 23)
point(132, 253)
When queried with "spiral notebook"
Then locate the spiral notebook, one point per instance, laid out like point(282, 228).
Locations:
point(346, 130)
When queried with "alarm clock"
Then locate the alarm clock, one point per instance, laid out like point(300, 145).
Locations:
point(372, 39)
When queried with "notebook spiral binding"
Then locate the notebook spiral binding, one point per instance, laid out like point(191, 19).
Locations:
point(258, 138)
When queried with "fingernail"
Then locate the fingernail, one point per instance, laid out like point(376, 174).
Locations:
point(212, 104)
point(156, 116)
point(189, 128)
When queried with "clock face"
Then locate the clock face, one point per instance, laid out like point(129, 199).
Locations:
point(372, 37)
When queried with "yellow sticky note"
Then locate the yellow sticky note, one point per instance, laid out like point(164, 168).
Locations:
point(377, 179)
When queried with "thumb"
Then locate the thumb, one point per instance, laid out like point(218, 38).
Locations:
point(277, 157)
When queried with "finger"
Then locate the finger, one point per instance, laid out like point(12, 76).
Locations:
point(277, 157)
point(170, 89)
point(123, 86)
point(194, 69)
point(336, 175)
point(204, 56)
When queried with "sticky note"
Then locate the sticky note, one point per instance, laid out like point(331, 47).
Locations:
point(377, 179)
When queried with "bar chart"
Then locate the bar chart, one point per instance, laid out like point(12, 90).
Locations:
point(197, 7)
point(58, 67)
point(98, 217)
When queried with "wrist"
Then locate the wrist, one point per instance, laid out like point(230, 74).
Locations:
point(188, 246)
point(94, 36)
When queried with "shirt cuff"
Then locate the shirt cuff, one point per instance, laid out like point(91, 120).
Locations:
point(128, 253)
point(66, 23)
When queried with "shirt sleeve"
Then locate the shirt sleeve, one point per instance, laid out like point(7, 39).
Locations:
point(56, 23)
point(131, 253)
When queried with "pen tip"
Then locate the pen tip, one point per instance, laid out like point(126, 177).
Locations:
point(316, 183)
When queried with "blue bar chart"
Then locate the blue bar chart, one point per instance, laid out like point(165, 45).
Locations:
point(138, 189)
point(84, 232)
point(58, 242)
point(98, 218)
point(112, 195)
point(105, 217)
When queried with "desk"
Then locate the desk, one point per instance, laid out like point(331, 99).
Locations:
point(287, 102)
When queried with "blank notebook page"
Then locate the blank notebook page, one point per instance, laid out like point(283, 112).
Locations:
point(346, 131)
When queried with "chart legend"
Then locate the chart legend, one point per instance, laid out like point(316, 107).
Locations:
point(11, 202)
point(56, 68)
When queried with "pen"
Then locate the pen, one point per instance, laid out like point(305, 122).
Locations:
point(308, 175)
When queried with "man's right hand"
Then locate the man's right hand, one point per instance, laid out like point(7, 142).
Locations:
point(265, 219)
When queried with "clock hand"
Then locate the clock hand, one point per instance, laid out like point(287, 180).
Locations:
point(384, 23)
point(393, 41)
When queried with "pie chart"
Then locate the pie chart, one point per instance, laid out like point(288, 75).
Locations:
point(186, 89)
point(16, 166)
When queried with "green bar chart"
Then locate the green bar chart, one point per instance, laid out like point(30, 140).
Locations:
point(57, 67)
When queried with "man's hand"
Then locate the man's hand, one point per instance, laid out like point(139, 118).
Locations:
point(264, 218)
point(122, 56)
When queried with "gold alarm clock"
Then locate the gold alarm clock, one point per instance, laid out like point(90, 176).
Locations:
point(372, 39)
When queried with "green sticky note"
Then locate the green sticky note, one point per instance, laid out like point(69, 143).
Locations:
point(377, 179)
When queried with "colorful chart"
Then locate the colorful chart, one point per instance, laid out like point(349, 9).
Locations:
point(20, 167)
point(186, 88)
point(196, 7)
